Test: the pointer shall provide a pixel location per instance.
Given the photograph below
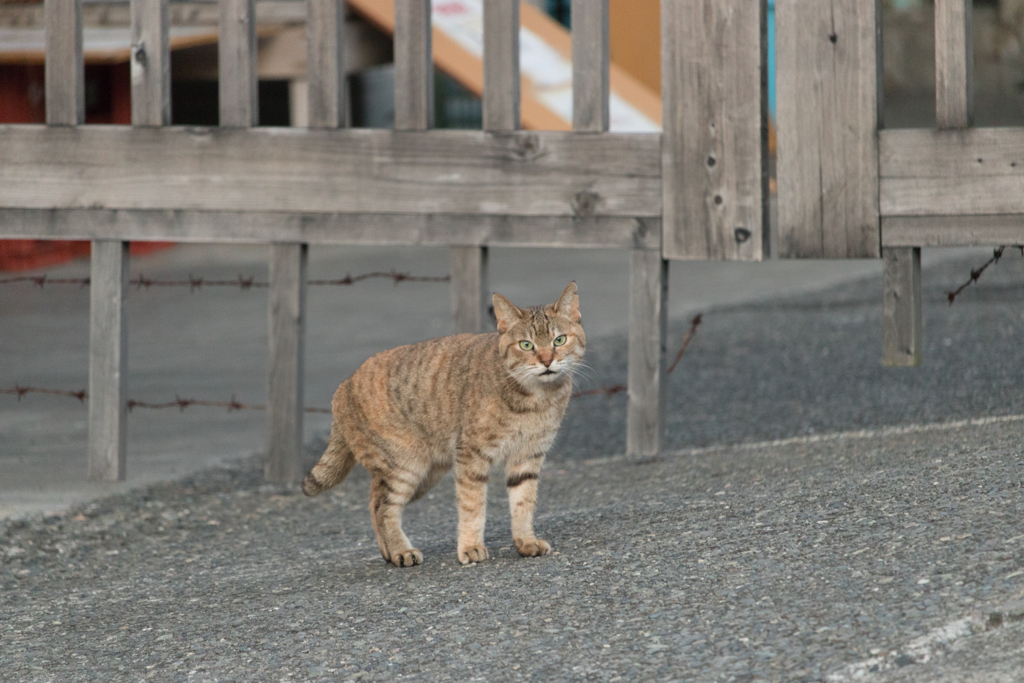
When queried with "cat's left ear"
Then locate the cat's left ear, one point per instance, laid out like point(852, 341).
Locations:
point(568, 305)
point(506, 313)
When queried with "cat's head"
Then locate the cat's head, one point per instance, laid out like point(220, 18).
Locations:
point(541, 345)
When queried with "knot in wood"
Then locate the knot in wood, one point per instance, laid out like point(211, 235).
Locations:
point(526, 146)
point(585, 203)
point(139, 52)
point(742, 235)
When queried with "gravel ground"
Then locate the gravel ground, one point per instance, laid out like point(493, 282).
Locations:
point(820, 557)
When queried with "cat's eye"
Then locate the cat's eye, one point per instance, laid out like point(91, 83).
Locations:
point(560, 339)
point(526, 345)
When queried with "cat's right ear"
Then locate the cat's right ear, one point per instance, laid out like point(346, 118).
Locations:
point(506, 313)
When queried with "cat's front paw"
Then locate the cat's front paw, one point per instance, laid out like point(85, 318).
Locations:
point(407, 558)
point(533, 547)
point(473, 553)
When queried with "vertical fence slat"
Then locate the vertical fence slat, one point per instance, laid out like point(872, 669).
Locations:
point(829, 101)
point(469, 288)
point(590, 87)
point(324, 59)
point(64, 72)
point(648, 315)
point(414, 68)
point(714, 101)
point(501, 65)
point(150, 63)
point(901, 308)
point(954, 63)
point(469, 285)
point(236, 55)
point(108, 360)
point(108, 341)
point(287, 317)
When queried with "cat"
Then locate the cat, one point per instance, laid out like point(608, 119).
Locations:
point(468, 402)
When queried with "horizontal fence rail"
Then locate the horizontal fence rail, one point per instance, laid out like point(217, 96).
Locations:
point(347, 171)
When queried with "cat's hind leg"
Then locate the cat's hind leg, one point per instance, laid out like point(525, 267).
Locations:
point(388, 497)
point(335, 464)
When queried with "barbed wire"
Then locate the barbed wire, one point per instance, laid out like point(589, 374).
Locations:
point(234, 404)
point(242, 282)
point(131, 404)
point(605, 391)
point(20, 391)
point(976, 272)
point(694, 323)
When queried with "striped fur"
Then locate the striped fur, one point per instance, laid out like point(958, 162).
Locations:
point(467, 402)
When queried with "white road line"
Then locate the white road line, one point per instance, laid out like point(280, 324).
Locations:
point(833, 436)
point(918, 651)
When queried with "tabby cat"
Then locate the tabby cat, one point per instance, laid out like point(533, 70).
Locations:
point(470, 401)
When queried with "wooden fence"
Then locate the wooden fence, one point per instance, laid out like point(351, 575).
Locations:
point(699, 190)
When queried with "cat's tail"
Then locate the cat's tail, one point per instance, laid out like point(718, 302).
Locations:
point(335, 464)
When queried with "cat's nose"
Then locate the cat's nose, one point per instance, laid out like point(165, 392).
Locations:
point(547, 361)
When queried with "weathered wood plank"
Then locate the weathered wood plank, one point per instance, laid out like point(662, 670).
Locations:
point(351, 171)
point(954, 63)
point(648, 315)
point(952, 231)
point(183, 13)
point(64, 70)
point(470, 290)
point(901, 309)
point(975, 152)
point(414, 66)
point(236, 54)
point(287, 316)
point(325, 70)
point(108, 361)
point(590, 66)
point(150, 63)
point(829, 101)
point(332, 228)
point(501, 65)
point(715, 146)
point(967, 171)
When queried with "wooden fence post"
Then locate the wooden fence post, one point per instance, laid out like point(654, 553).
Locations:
point(150, 63)
point(108, 360)
point(648, 272)
point(469, 287)
point(108, 334)
point(236, 55)
point(901, 307)
point(325, 68)
point(64, 70)
point(829, 106)
point(715, 145)
point(285, 383)
point(954, 109)
point(648, 316)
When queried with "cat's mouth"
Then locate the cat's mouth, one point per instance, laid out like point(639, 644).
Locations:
point(549, 371)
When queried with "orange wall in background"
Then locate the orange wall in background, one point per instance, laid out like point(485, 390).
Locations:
point(635, 39)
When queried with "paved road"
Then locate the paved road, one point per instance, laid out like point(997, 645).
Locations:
point(877, 538)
